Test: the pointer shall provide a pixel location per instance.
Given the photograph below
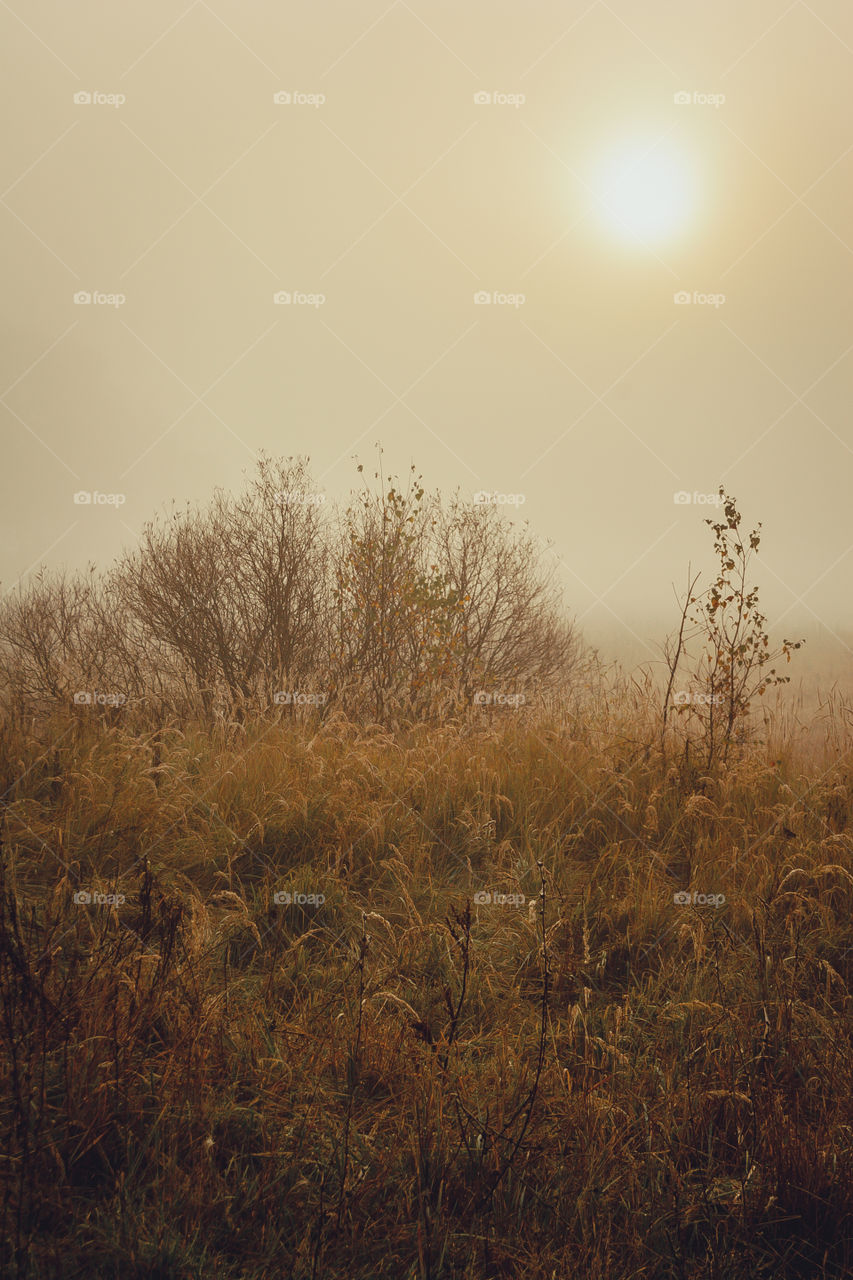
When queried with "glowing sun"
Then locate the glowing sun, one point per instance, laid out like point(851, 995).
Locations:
point(645, 191)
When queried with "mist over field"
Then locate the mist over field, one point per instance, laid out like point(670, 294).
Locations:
point(426, 641)
point(624, 160)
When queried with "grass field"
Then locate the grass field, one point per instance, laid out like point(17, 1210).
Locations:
point(483, 1037)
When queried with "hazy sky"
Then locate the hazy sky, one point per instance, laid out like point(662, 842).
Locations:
point(581, 198)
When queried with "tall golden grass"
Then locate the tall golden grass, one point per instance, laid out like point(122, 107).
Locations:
point(582, 1076)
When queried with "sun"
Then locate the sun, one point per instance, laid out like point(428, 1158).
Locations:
point(644, 191)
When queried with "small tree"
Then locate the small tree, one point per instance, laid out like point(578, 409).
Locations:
point(731, 668)
point(398, 620)
point(514, 631)
point(55, 638)
point(234, 591)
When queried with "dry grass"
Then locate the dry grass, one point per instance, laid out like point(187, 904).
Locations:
point(402, 1081)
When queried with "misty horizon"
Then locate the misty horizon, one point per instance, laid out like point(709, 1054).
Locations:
point(599, 260)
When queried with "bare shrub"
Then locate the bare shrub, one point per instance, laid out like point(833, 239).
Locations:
point(724, 646)
point(405, 606)
point(513, 629)
point(53, 640)
point(231, 595)
point(436, 602)
point(397, 622)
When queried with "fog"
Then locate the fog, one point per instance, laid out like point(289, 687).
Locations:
point(149, 168)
